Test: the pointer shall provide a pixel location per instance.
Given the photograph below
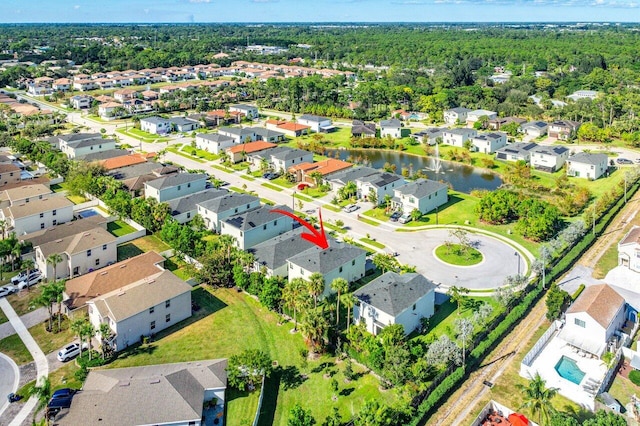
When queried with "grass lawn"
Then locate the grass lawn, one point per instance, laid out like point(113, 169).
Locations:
point(332, 208)
point(178, 267)
point(370, 222)
point(607, 262)
point(377, 213)
point(23, 301)
point(205, 155)
point(3, 317)
point(622, 389)
point(120, 228)
point(273, 187)
point(247, 177)
point(283, 182)
point(455, 255)
point(64, 377)
point(314, 192)
point(13, 347)
point(372, 243)
point(230, 322)
point(141, 245)
point(184, 154)
point(50, 342)
point(77, 199)
point(333, 227)
point(299, 196)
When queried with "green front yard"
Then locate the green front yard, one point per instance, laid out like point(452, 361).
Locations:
point(230, 322)
point(13, 347)
point(120, 228)
point(23, 301)
point(51, 342)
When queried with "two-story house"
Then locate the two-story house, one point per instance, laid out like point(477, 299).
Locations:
point(81, 253)
point(563, 129)
point(534, 128)
point(213, 142)
point(249, 111)
point(75, 149)
point(422, 194)
point(392, 128)
point(155, 125)
point(316, 123)
point(488, 143)
point(518, 151)
point(174, 186)
point(458, 137)
point(280, 158)
point(394, 299)
point(456, 115)
point(271, 255)
point(238, 153)
point(478, 114)
point(26, 217)
point(429, 136)
point(184, 209)
point(216, 210)
point(378, 185)
point(239, 134)
point(586, 165)
point(24, 194)
point(268, 135)
point(629, 249)
point(549, 158)
point(306, 172)
point(256, 226)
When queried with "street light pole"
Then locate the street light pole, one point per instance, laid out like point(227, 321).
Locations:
point(517, 255)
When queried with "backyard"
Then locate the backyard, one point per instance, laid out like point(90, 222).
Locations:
point(141, 245)
point(120, 228)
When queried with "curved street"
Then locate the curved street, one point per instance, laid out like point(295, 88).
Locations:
point(9, 376)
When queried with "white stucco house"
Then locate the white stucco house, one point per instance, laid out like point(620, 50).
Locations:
point(456, 115)
point(488, 143)
point(81, 253)
point(458, 137)
point(215, 210)
point(316, 123)
point(271, 255)
point(518, 151)
point(75, 149)
point(394, 299)
point(256, 226)
point(155, 125)
point(534, 128)
point(24, 194)
point(563, 129)
point(629, 249)
point(27, 217)
point(422, 194)
point(392, 128)
point(176, 185)
point(249, 111)
point(380, 183)
point(339, 260)
point(184, 209)
point(213, 142)
point(549, 158)
point(239, 134)
point(476, 115)
point(280, 158)
point(587, 166)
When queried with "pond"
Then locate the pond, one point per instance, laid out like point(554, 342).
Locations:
point(462, 178)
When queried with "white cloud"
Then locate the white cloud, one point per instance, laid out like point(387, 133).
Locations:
point(626, 4)
point(199, 1)
point(76, 7)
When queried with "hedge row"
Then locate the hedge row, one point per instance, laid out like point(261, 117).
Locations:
point(578, 292)
point(533, 292)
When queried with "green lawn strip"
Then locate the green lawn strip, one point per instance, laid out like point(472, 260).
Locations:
point(314, 192)
point(338, 229)
point(23, 301)
point(367, 221)
point(120, 228)
point(622, 389)
point(64, 377)
point(3, 317)
point(49, 341)
point(243, 405)
point(283, 182)
point(185, 155)
point(273, 187)
point(302, 197)
point(372, 243)
point(77, 199)
point(188, 149)
point(607, 262)
point(377, 213)
point(13, 347)
point(455, 255)
point(247, 177)
point(332, 208)
point(222, 168)
point(178, 267)
point(267, 202)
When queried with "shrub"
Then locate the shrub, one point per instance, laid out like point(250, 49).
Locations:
point(634, 376)
point(577, 293)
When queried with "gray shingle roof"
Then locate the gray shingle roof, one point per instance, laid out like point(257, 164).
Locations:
point(520, 148)
point(314, 118)
point(255, 218)
point(78, 136)
point(267, 133)
point(89, 142)
point(588, 158)
point(153, 394)
point(490, 136)
point(553, 150)
point(350, 175)
point(289, 153)
point(274, 253)
point(393, 293)
point(181, 121)
point(177, 179)
point(64, 230)
point(227, 202)
point(190, 202)
point(391, 123)
point(79, 242)
point(155, 120)
point(535, 124)
point(238, 131)
point(380, 179)
point(421, 188)
point(135, 170)
point(327, 260)
point(103, 155)
point(214, 137)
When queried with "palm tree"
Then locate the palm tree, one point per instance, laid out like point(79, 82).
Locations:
point(54, 259)
point(16, 252)
point(292, 296)
point(537, 398)
point(457, 295)
point(314, 327)
point(89, 331)
point(46, 299)
point(43, 393)
point(77, 326)
point(28, 264)
point(3, 227)
point(57, 291)
point(315, 286)
point(349, 301)
point(340, 286)
point(105, 331)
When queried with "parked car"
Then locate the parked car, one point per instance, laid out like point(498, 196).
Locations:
point(270, 175)
point(69, 352)
point(64, 393)
point(7, 290)
point(623, 161)
point(20, 277)
point(34, 278)
point(405, 218)
point(395, 216)
point(350, 208)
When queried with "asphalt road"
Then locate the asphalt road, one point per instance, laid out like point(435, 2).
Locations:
point(9, 376)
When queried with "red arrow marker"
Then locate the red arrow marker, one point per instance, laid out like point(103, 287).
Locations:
point(316, 237)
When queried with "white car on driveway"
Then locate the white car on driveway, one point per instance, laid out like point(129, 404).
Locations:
point(34, 278)
point(350, 208)
point(7, 290)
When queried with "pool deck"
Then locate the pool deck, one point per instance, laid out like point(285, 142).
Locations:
point(545, 364)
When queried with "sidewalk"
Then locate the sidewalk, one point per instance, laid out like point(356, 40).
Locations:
point(29, 320)
point(41, 361)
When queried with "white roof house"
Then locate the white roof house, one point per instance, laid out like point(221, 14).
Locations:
point(549, 158)
point(488, 143)
point(588, 166)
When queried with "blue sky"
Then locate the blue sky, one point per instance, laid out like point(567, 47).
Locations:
point(18, 11)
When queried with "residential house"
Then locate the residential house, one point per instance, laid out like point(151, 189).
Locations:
point(303, 172)
point(64, 230)
point(498, 122)
point(458, 137)
point(27, 217)
point(271, 255)
point(238, 153)
point(184, 209)
point(534, 128)
point(563, 129)
point(215, 210)
point(629, 249)
point(142, 308)
point(339, 260)
point(81, 253)
point(583, 94)
point(280, 158)
point(255, 226)
point(478, 114)
point(488, 143)
point(456, 115)
point(59, 140)
point(293, 130)
point(213, 142)
point(239, 134)
point(340, 179)
point(586, 165)
point(518, 151)
point(175, 185)
point(380, 185)
point(549, 158)
point(422, 194)
point(80, 148)
point(316, 123)
point(134, 177)
point(9, 174)
point(100, 156)
point(61, 85)
point(183, 125)
point(155, 125)
point(592, 321)
point(124, 95)
point(121, 161)
point(81, 102)
point(164, 394)
point(108, 110)
point(429, 136)
point(78, 291)
point(249, 111)
point(395, 299)
point(268, 135)
point(361, 129)
point(392, 128)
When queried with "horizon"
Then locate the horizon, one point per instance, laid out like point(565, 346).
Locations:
point(320, 11)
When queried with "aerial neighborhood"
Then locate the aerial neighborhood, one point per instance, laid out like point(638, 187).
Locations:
point(297, 234)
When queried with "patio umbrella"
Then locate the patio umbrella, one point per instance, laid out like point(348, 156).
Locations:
point(517, 419)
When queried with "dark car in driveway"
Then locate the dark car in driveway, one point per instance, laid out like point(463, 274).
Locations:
point(395, 216)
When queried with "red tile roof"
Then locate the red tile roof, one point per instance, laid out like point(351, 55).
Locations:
point(251, 147)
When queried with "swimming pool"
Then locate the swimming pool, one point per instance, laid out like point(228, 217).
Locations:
point(568, 369)
point(87, 213)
